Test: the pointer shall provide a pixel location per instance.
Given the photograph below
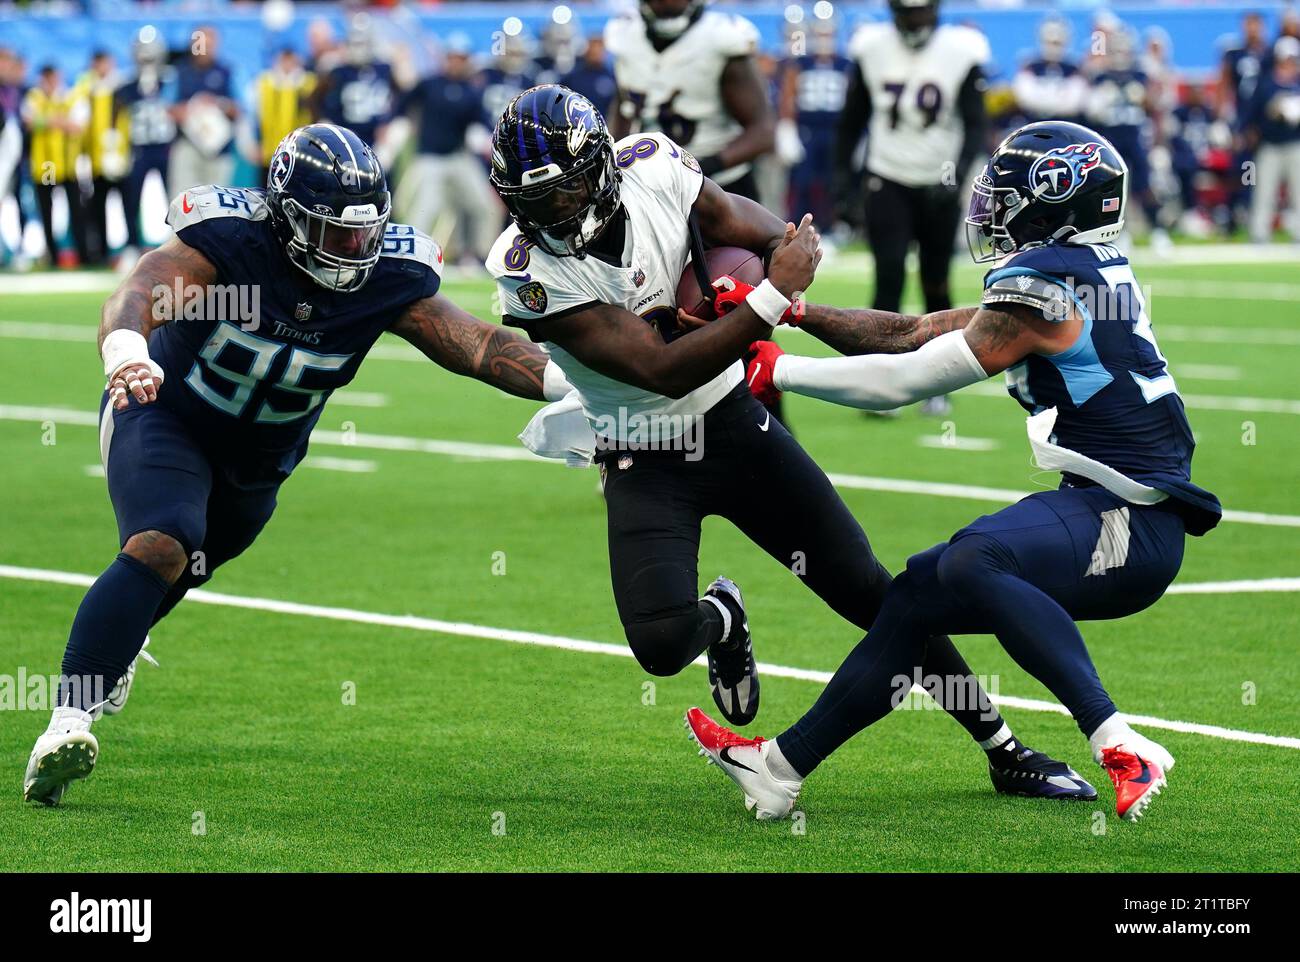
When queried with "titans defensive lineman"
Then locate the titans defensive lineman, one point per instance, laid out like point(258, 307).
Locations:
point(1063, 316)
point(589, 268)
point(206, 416)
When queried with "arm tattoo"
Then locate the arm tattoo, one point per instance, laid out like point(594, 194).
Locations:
point(879, 332)
point(994, 331)
point(465, 345)
point(132, 306)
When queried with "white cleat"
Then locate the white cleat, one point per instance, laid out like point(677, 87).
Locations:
point(744, 760)
point(116, 700)
point(65, 752)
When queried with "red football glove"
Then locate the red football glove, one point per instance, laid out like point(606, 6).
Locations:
point(759, 367)
point(731, 292)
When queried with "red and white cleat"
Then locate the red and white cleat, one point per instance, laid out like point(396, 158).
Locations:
point(744, 760)
point(1137, 781)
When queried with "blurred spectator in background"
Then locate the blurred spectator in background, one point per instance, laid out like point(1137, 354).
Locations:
point(146, 102)
point(1242, 64)
point(561, 44)
point(283, 99)
point(1273, 125)
point(1200, 150)
point(692, 72)
point(106, 147)
point(205, 113)
point(592, 76)
point(510, 72)
point(13, 144)
point(323, 53)
point(446, 191)
point(359, 93)
point(55, 118)
point(1050, 86)
point(814, 83)
point(1118, 106)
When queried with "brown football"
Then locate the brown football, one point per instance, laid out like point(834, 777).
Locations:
point(739, 263)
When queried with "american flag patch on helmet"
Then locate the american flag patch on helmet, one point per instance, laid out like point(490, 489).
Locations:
point(1109, 205)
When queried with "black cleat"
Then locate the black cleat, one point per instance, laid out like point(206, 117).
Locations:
point(733, 673)
point(1019, 770)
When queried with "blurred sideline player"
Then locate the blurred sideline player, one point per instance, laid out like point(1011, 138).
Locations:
point(1051, 85)
point(590, 269)
point(146, 101)
point(919, 88)
point(814, 85)
point(1063, 315)
point(1119, 105)
point(692, 74)
point(194, 462)
point(359, 92)
point(689, 72)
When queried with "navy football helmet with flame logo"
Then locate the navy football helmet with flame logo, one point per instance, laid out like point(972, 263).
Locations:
point(1048, 181)
point(329, 204)
point(553, 165)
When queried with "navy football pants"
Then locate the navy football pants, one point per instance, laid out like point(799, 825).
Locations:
point(160, 478)
point(1025, 574)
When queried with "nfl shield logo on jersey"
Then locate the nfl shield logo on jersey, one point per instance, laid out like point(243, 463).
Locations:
point(638, 277)
point(533, 296)
point(302, 312)
point(1057, 174)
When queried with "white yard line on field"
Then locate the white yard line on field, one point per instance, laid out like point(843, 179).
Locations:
point(467, 630)
point(958, 443)
point(348, 465)
point(505, 452)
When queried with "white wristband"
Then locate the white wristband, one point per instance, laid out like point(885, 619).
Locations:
point(121, 348)
point(768, 303)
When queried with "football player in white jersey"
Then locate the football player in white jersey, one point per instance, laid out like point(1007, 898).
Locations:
point(589, 269)
point(919, 91)
point(690, 72)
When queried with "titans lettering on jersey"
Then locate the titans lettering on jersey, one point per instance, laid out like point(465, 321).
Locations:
point(916, 129)
point(253, 390)
point(678, 90)
point(660, 184)
point(1117, 403)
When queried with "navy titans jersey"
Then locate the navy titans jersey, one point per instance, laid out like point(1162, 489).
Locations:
point(500, 87)
point(1121, 107)
point(251, 372)
point(360, 98)
point(1116, 401)
point(820, 89)
point(148, 101)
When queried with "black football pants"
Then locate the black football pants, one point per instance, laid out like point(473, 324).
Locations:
point(754, 474)
point(897, 216)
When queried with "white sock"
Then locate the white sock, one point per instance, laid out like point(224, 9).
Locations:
point(1000, 737)
point(1113, 731)
point(777, 766)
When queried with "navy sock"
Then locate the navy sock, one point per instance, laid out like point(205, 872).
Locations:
point(109, 630)
point(866, 688)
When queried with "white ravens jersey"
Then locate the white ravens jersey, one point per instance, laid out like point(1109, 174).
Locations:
point(678, 90)
point(916, 132)
point(660, 184)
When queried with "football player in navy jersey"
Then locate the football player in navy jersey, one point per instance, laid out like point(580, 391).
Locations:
point(1062, 314)
point(207, 413)
point(359, 93)
point(813, 89)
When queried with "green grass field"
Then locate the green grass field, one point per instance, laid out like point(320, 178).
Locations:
point(475, 753)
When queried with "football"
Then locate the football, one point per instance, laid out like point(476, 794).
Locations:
point(741, 264)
